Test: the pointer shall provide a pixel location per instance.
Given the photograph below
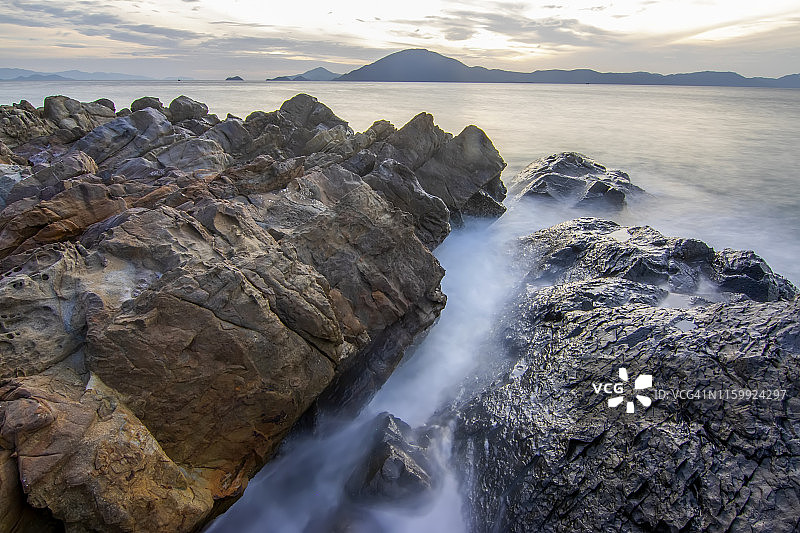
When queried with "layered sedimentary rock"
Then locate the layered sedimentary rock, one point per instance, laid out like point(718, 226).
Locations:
point(177, 291)
point(583, 427)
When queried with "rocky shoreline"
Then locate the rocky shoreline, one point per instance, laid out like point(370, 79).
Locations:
point(178, 291)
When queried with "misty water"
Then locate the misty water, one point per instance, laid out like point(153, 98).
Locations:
point(721, 164)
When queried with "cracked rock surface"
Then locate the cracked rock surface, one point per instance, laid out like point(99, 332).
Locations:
point(538, 448)
point(176, 291)
point(575, 180)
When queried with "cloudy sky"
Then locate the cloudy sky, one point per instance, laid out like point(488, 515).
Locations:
point(212, 39)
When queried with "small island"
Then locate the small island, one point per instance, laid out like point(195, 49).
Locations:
point(234, 78)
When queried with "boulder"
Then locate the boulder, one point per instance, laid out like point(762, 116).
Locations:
point(308, 113)
point(106, 103)
point(65, 215)
point(151, 102)
point(541, 445)
point(260, 175)
point(201, 156)
point(47, 182)
point(416, 142)
point(398, 184)
point(232, 135)
point(184, 108)
point(575, 180)
point(398, 467)
point(81, 117)
point(19, 123)
point(84, 456)
point(128, 137)
point(10, 177)
point(466, 166)
point(7, 157)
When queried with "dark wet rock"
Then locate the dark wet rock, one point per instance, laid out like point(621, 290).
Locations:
point(398, 467)
point(575, 180)
point(175, 297)
point(538, 448)
point(362, 163)
point(588, 248)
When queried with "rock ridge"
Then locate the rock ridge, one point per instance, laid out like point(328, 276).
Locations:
point(177, 290)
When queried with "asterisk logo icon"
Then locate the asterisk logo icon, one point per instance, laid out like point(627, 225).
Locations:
point(644, 381)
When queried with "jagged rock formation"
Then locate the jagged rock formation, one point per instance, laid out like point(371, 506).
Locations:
point(177, 291)
point(575, 180)
point(398, 467)
point(541, 446)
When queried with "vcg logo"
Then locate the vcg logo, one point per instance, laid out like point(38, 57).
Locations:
point(622, 391)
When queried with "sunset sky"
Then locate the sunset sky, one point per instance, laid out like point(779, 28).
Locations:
point(212, 39)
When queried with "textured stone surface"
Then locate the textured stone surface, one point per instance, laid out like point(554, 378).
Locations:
point(575, 180)
point(184, 108)
point(175, 296)
point(539, 449)
point(69, 114)
point(398, 467)
point(77, 443)
point(20, 123)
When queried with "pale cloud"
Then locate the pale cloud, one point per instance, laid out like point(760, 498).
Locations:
point(215, 38)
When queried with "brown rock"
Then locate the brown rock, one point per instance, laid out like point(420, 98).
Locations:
point(66, 215)
point(169, 315)
point(83, 455)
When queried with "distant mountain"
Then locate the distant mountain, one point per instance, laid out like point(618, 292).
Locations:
point(13, 73)
point(41, 77)
point(234, 78)
point(424, 65)
point(20, 74)
point(316, 74)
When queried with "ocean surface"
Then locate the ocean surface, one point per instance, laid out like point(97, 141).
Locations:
point(721, 164)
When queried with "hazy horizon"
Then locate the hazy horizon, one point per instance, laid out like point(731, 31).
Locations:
point(213, 39)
